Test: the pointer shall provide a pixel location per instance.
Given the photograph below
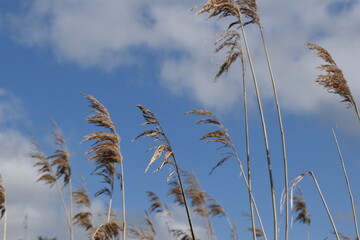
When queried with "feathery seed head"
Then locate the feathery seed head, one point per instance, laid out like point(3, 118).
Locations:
point(108, 230)
point(156, 205)
point(220, 136)
point(60, 160)
point(334, 81)
point(156, 134)
point(105, 152)
point(2, 198)
point(300, 208)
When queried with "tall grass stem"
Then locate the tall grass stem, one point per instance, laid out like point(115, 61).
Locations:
point(283, 142)
point(347, 184)
point(264, 131)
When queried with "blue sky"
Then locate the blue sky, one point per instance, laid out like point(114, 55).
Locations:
point(136, 52)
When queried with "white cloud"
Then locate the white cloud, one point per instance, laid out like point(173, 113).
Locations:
point(10, 107)
point(23, 195)
point(102, 33)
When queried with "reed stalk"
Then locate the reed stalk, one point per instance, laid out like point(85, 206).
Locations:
point(247, 146)
point(225, 8)
point(105, 154)
point(3, 210)
point(169, 156)
point(49, 177)
point(266, 142)
point(298, 179)
point(282, 133)
point(123, 200)
point(222, 137)
point(347, 184)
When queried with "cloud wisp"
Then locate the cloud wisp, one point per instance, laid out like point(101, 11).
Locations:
point(102, 34)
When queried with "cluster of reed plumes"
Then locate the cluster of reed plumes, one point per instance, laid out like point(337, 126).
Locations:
point(106, 157)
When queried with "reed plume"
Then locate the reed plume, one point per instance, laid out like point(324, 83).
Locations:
point(108, 230)
point(2, 198)
point(156, 204)
point(231, 8)
point(181, 234)
point(334, 80)
point(3, 212)
point(164, 148)
point(202, 203)
point(299, 207)
point(198, 202)
point(105, 154)
point(144, 233)
point(258, 232)
point(222, 137)
point(294, 183)
point(60, 161)
point(249, 10)
point(84, 218)
point(158, 207)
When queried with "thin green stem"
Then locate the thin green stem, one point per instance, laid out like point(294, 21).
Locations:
point(347, 184)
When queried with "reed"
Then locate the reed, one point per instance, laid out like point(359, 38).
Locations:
point(249, 10)
point(105, 155)
point(334, 80)
point(222, 137)
point(54, 167)
point(144, 233)
point(347, 184)
point(294, 183)
point(3, 212)
point(300, 208)
point(165, 149)
point(230, 8)
point(83, 219)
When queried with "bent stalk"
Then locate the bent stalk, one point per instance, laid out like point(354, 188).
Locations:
point(298, 179)
point(347, 184)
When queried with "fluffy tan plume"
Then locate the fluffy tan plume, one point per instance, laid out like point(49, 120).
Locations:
point(2, 198)
point(334, 80)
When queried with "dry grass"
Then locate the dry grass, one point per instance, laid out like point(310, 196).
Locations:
point(108, 230)
point(2, 198)
point(60, 160)
point(144, 233)
point(300, 208)
point(105, 152)
point(165, 148)
point(334, 80)
point(84, 218)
